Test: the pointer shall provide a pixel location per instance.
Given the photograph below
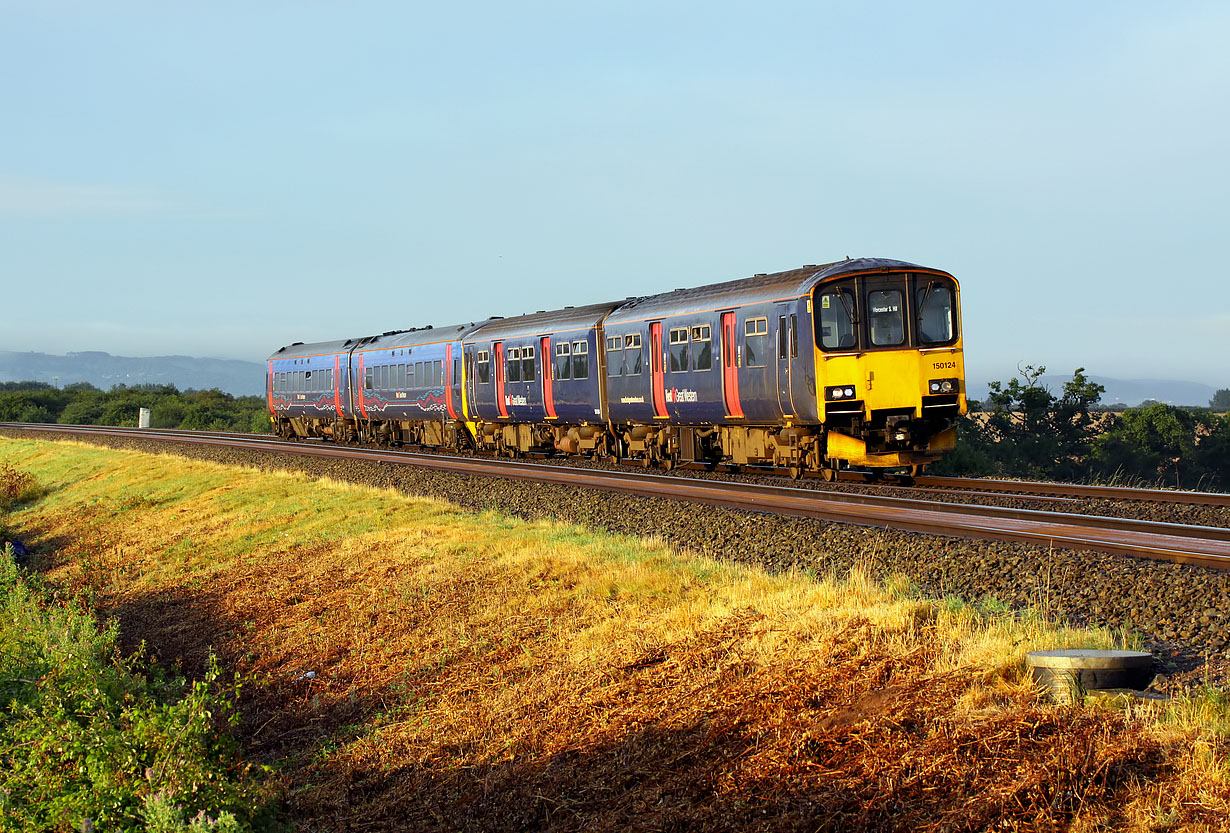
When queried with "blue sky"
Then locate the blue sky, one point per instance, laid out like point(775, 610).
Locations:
point(221, 179)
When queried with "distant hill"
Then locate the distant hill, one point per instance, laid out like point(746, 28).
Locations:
point(1124, 391)
point(102, 370)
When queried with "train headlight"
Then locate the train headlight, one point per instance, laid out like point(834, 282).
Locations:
point(942, 386)
point(839, 392)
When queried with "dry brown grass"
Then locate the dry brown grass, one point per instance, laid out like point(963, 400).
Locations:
point(479, 673)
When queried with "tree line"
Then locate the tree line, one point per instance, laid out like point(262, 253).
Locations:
point(83, 404)
point(1025, 430)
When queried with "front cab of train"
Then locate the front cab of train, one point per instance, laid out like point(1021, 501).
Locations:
point(889, 367)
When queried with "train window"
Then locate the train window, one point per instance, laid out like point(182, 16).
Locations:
point(755, 342)
point(614, 356)
point(563, 361)
point(580, 359)
point(367, 379)
point(514, 365)
point(781, 336)
point(527, 364)
point(886, 317)
point(838, 314)
point(329, 380)
point(456, 372)
point(401, 377)
point(935, 314)
point(632, 354)
point(420, 379)
point(794, 336)
point(679, 350)
point(484, 366)
point(438, 373)
point(702, 348)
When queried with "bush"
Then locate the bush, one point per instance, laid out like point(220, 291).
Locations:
point(16, 487)
point(88, 740)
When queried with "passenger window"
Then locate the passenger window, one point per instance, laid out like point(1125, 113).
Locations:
point(527, 364)
point(679, 350)
point(484, 366)
point(580, 359)
point(632, 354)
point(563, 361)
point(438, 375)
point(614, 356)
point(419, 376)
point(367, 378)
point(514, 365)
point(401, 377)
point(836, 320)
point(702, 348)
point(755, 342)
point(886, 318)
point(935, 318)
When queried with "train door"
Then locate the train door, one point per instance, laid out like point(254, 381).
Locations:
point(787, 349)
point(658, 378)
point(452, 382)
point(548, 395)
point(730, 366)
point(469, 402)
point(498, 359)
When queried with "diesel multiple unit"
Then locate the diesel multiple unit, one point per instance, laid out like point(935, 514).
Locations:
point(856, 363)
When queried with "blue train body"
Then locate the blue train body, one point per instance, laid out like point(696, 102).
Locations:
point(777, 369)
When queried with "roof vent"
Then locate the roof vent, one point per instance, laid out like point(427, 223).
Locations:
point(296, 344)
point(762, 274)
point(495, 318)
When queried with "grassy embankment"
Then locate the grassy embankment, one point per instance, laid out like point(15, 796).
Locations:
point(408, 665)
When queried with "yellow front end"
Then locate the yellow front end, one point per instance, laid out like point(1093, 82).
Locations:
point(887, 407)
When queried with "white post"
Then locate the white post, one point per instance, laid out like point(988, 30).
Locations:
point(143, 418)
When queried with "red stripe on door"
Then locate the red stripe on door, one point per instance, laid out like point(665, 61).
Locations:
point(499, 378)
point(448, 380)
point(655, 365)
point(359, 384)
point(548, 394)
point(337, 385)
point(730, 366)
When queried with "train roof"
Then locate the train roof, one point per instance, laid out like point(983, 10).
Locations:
point(392, 340)
point(564, 320)
point(300, 350)
point(756, 289)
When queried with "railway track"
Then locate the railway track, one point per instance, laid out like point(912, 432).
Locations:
point(1198, 545)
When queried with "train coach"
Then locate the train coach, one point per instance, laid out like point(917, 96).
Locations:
point(857, 363)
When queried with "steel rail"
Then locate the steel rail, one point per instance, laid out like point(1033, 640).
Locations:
point(1199, 545)
point(1076, 490)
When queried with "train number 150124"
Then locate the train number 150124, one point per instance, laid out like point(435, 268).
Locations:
point(943, 365)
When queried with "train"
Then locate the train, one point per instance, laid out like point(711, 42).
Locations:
point(856, 364)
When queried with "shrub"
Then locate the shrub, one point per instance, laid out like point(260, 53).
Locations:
point(16, 487)
point(88, 740)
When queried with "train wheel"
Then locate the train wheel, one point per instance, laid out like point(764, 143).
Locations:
point(668, 463)
point(796, 472)
point(828, 473)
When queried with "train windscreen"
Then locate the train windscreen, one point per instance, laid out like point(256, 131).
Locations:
point(877, 312)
